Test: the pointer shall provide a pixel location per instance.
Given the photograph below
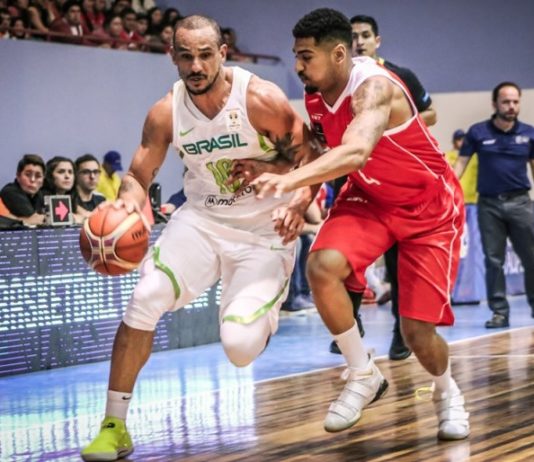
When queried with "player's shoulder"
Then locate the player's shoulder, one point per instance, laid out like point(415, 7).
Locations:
point(264, 96)
point(161, 110)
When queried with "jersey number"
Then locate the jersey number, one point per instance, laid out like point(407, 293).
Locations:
point(221, 171)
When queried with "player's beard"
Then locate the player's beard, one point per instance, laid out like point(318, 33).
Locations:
point(506, 117)
point(206, 88)
point(310, 89)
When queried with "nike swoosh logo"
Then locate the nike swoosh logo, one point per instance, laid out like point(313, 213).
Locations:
point(184, 133)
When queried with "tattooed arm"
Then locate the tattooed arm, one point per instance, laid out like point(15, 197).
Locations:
point(372, 105)
point(157, 135)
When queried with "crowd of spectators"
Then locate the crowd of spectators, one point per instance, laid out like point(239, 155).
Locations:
point(118, 24)
point(23, 201)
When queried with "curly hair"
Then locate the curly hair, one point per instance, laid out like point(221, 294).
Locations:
point(324, 24)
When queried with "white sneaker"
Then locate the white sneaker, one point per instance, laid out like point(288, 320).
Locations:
point(362, 388)
point(453, 419)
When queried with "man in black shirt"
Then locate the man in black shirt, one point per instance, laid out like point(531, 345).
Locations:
point(23, 197)
point(85, 199)
point(365, 42)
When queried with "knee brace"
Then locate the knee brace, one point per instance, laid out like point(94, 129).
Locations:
point(152, 297)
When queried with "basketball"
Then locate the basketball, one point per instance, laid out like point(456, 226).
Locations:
point(113, 241)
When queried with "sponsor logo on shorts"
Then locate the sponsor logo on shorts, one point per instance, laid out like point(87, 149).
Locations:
point(226, 201)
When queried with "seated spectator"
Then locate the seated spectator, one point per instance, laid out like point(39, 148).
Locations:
point(59, 177)
point(95, 17)
point(18, 29)
point(85, 199)
point(39, 17)
point(162, 42)
point(155, 21)
point(229, 37)
point(170, 16)
point(70, 25)
point(141, 25)
point(129, 24)
point(113, 35)
point(23, 198)
point(119, 6)
point(5, 23)
point(19, 9)
point(109, 181)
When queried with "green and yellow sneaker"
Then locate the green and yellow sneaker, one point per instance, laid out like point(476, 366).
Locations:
point(112, 443)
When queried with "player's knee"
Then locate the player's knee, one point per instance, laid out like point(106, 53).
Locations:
point(151, 298)
point(323, 266)
point(243, 343)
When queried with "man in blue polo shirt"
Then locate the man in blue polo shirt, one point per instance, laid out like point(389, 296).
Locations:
point(505, 146)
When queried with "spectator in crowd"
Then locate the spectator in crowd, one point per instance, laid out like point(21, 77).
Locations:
point(113, 35)
point(143, 6)
point(129, 24)
point(234, 53)
point(23, 198)
point(141, 26)
point(39, 17)
point(5, 22)
point(85, 198)
point(155, 20)
point(469, 177)
point(18, 29)
point(70, 25)
point(19, 9)
point(119, 6)
point(59, 177)
point(162, 42)
point(505, 146)
point(97, 17)
point(109, 181)
point(170, 16)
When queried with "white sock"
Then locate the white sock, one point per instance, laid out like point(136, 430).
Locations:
point(444, 382)
point(117, 404)
point(351, 345)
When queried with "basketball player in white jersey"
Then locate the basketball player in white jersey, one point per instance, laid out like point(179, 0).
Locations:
point(214, 116)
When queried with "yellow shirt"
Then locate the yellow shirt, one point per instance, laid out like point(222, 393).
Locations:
point(108, 185)
point(469, 177)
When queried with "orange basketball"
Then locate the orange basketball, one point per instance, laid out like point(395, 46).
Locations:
point(114, 241)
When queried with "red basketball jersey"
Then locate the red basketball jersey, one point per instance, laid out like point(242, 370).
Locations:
point(406, 164)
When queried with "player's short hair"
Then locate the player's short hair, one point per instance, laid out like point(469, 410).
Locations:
point(497, 89)
point(324, 24)
point(196, 21)
point(30, 159)
point(364, 19)
point(85, 158)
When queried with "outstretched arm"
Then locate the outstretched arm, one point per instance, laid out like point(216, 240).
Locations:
point(371, 104)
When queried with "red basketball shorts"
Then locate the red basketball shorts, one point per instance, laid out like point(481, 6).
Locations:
point(428, 237)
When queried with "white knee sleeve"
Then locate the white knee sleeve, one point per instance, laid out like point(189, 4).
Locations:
point(243, 343)
point(152, 297)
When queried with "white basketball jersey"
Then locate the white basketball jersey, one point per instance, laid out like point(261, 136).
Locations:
point(208, 146)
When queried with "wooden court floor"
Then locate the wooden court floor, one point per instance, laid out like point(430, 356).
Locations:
point(495, 372)
point(194, 406)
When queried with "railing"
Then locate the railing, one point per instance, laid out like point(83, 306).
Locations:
point(98, 41)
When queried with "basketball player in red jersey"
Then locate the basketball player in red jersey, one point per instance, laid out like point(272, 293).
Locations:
point(400, 189)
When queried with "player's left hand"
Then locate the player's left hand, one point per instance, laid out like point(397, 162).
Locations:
point(288, 223)
point(268, 183)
